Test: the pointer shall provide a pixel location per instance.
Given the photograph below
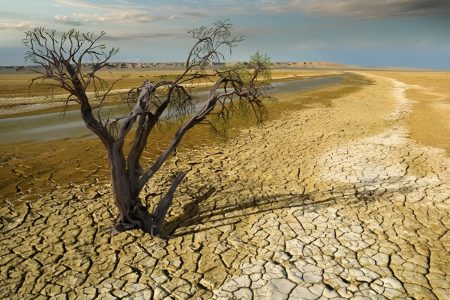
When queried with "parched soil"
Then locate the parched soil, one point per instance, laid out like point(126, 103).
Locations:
point(334, 201)
point(429, 92)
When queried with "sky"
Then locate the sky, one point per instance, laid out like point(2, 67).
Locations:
point(397, 33)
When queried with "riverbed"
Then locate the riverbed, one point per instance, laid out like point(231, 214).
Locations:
point(47, 126)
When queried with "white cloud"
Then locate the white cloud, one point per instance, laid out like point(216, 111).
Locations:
point(86, 4)
point(66, 20)
point(169, 33)
point(118, 12)
point(156, 11)
point(118, 17)
point(16, 26)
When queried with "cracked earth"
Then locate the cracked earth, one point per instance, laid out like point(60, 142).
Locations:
point(324, 203)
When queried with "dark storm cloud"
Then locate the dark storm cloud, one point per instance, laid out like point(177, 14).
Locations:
point(366, 9)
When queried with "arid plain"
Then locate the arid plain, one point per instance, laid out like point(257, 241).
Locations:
point(343, 193)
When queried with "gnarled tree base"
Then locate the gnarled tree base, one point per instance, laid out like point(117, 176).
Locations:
point(139, 218)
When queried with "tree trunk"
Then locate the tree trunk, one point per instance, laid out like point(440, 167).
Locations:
point(132, 213)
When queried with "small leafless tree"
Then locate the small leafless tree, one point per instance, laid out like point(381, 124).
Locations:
point(62, 58)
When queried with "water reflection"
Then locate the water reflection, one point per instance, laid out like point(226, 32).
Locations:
point(53, 126)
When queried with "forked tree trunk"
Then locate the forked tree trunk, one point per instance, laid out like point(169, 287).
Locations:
point(132, 214)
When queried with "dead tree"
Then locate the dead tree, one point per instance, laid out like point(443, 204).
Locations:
point(72, 60)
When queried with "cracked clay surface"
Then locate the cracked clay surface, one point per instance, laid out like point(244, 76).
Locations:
point(325, 203)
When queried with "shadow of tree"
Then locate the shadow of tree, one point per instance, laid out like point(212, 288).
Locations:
point(210, 213)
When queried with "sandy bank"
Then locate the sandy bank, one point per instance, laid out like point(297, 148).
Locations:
point(429, 93)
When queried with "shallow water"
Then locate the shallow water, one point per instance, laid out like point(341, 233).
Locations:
point(57, 125)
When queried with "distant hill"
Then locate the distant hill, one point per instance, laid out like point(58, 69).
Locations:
point(179, 65)
point(314, 65)
point(278, 64)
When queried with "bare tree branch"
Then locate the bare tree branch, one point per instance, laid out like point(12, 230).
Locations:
point(72, 61)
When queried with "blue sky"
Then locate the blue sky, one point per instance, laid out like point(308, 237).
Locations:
point(403, 33)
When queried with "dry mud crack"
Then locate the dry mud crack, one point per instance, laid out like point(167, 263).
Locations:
point(326, 203)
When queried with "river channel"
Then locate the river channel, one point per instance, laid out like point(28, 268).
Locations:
point(56, 125)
